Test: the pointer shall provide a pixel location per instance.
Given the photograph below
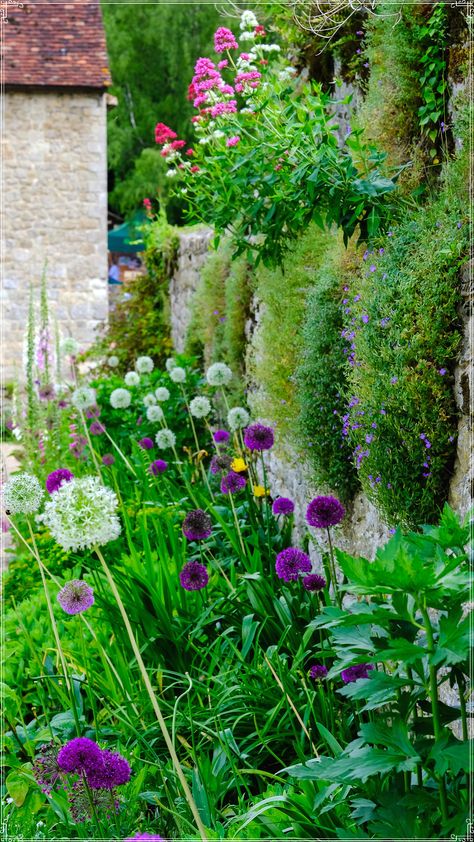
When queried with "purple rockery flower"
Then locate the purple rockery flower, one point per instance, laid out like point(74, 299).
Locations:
point(354, 673)
point(259, 437)
point(75, 597)
point(283, 506)
point(194, 576)
point(96, 428)
point(159, 466)
point(80, 755)
point(108, 459)
point(318, 671)
point(314, 582)
point(323, 512)
point(220, 463)
point(57, 478)
point(113, 771)
point(221, 436)
point(232, 482)
point(290, 563)
point(146, 443)
point(197, 525)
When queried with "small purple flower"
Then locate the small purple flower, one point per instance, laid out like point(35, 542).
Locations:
point(323, 512)
point(365, 318)
point(197, 525)
point(220, 463)
point(259, 437)
point(146, 443)
point(354, 673)
point(283, 506)
point(80, 755)
point(93, 412)
point(318, 671)
point(314, 582)
point(221, 436)
point(442, 371)
point(57, 478)
point(232, 482)
point(75, 597)
point(393, 380)
point(159, 466)
point(108, 459)
point(194, 576)
point(290, 563)
point(96, 428)
point(113, 771)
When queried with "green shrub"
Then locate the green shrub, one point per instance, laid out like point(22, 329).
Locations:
point(322, 376)
point(404, 315)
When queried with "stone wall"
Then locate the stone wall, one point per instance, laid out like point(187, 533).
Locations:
point(192, 254)
point(55, 210)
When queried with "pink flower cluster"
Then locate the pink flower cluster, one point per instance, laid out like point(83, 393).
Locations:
point(207, 78)
point(163, 133)
point(247, 80)
point(224, 40)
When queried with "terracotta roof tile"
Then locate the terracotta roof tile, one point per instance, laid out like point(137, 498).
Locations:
point(55, 45)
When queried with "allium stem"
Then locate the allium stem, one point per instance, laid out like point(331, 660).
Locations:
point(153, 699)
point(117, 448)
point(237, 524)
point(89, 442)
point(332, 567)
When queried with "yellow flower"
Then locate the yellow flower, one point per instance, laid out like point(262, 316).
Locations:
point(259, 491)
point(238, 465)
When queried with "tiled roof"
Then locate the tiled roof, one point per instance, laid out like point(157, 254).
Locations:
point(51, 44)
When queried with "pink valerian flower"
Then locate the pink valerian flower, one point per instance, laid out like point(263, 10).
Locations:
point(195, 168)
point(247, 80)
point(222, 64)
point(221, 108)
point(260, 30)
point(233, 141)
point(177, 144)
point(204, 67)
point(147, 204)
point(224, 40)
point(163, 133)
point(190, 152)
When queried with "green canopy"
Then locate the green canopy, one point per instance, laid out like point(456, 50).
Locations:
point(127, 238)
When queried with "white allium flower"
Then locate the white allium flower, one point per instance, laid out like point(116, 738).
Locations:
point(113, 361)
point(83, 397)
point(82, 513)
point(237, 418)
point(22, 494)
point(120, 399)
point(165, 438)
point(248, 20)
point(162, 393)
point(69, 346)
point(144, 365)
point(178, 375)
point(200, 407)
point(131, 378)
point(219, 374)
point(154, 414)
point(149, 400)
point(170, 363)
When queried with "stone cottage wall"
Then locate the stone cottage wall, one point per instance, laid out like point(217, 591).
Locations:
point(55, 209)
point(363, 530)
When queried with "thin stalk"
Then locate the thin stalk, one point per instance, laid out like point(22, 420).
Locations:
point(237, 524)
point(267, 512)
point(89, 442)
point(117, 448)
point(332, 565)
point(153, 699)
point(292, 705)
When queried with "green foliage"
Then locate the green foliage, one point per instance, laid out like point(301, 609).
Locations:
point(405, 305)
point(321, 375)
point(433, 82)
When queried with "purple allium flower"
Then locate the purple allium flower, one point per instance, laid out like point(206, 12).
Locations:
point(290, 563)
point(75, 597)
point(93, 412)
point(220, 463)
point(96, 428)
point(323, 512)
point(85, 802)
point(314, 582)
point(259, 437)
point(80, 755)
point(108, 459)
point(159, 466)
point(318, 671)
point(197, 525)
point(194, 576)
point(57, 478)
point(354, 673)
point(113, 771)
point(232, 482)
point(221, 436)
point(146, 443)
point(46, 771)
point(283, 506)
